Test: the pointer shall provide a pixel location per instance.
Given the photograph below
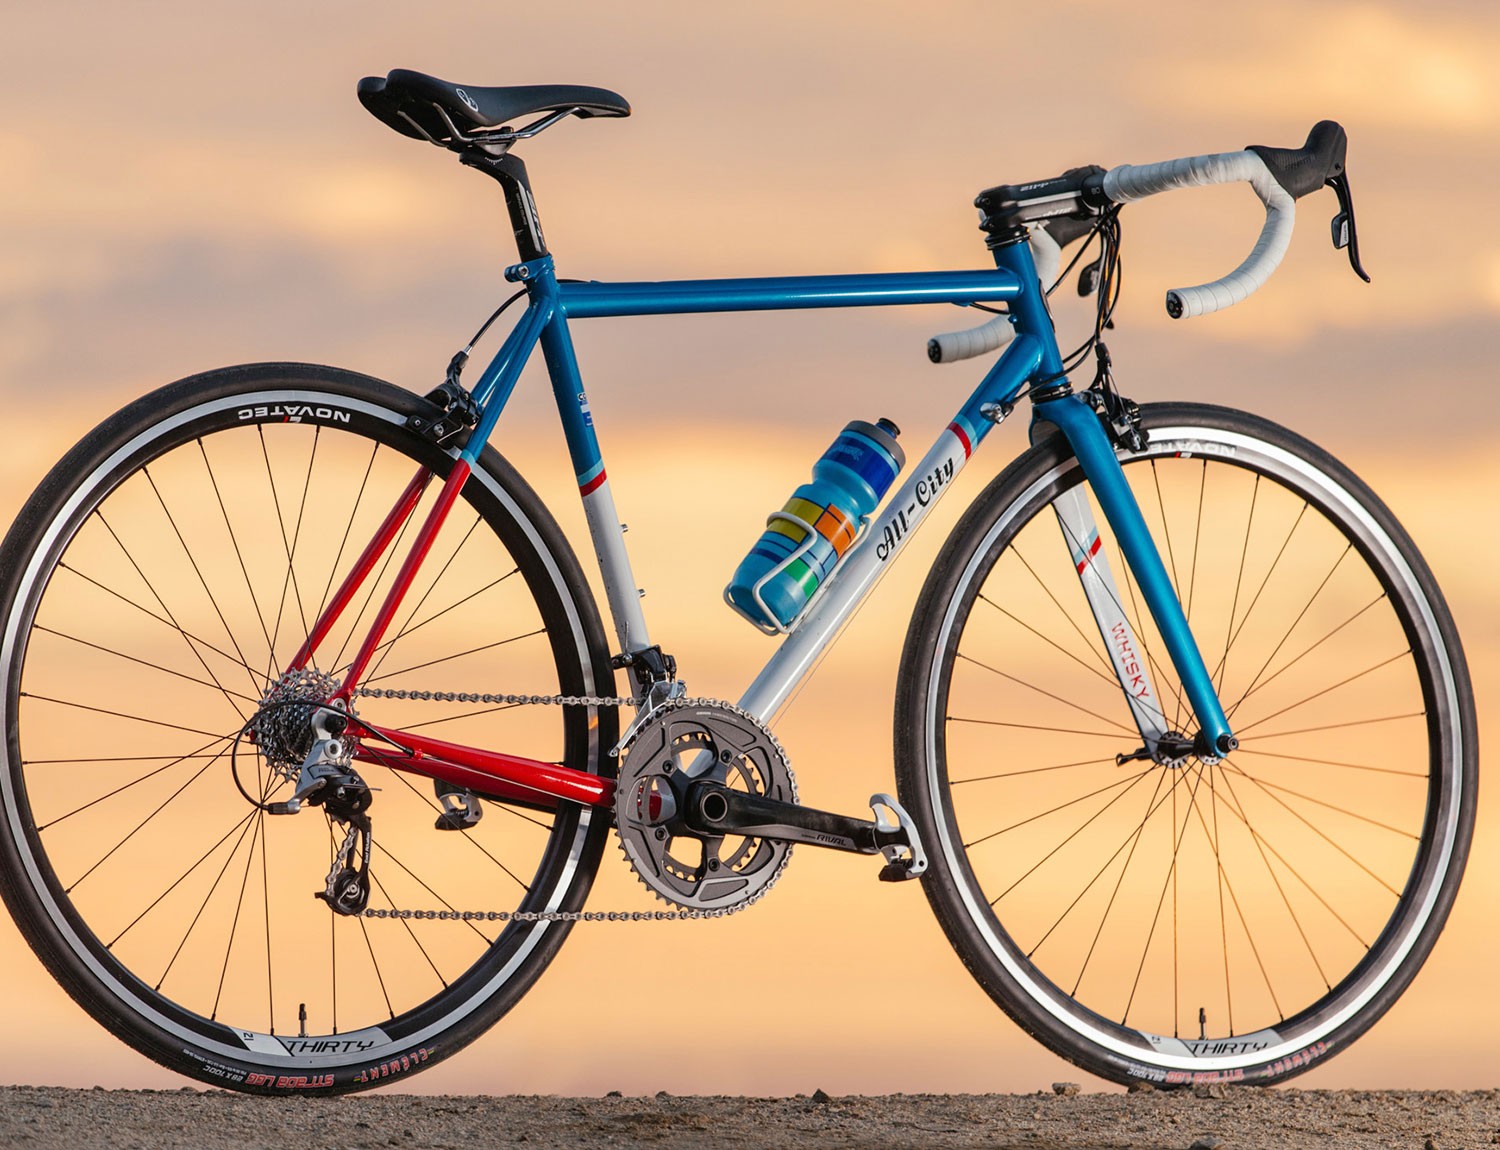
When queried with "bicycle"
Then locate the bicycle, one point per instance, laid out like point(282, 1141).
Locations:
point(1185, 742)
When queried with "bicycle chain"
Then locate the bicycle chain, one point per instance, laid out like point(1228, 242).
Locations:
point(531, 915)
point(514, 700)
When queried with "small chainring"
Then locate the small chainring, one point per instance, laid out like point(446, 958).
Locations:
point(680, 743)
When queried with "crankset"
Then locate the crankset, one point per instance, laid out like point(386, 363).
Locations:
point(706, 809)
point(713, 809)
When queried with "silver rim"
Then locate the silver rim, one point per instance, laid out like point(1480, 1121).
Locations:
point(326, 1045)
point(1155, 1044)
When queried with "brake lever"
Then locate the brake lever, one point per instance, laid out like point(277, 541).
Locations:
point(1344, 235)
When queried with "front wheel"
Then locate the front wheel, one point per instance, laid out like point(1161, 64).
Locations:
point(153, 593)
point(1188, 920)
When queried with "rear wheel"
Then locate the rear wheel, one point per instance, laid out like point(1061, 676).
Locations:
point(155, 588)
point(1198, 920)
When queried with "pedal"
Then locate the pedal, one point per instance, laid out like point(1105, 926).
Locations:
point(461, 809)
point(902, 848)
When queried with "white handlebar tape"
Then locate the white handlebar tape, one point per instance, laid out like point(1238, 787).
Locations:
point(954, 345)
point(1134, 182)
point(1046, 255)
point(997, 332)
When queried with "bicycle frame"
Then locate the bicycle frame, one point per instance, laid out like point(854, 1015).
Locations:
point(1031, 357)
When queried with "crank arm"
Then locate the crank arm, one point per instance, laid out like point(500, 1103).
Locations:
point(712, 809)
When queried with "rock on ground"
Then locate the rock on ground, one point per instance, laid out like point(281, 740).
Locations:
point(1245, 1118)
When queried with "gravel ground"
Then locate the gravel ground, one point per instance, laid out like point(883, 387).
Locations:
point(1211, 1118)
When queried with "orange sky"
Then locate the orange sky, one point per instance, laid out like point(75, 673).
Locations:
point(185, 187)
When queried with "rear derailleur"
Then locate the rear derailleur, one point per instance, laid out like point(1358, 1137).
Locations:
point(328, 779)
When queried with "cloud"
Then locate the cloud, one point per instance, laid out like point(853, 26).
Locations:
point(1382, 65)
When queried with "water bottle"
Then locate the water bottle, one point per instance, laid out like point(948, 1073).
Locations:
point(804, 541)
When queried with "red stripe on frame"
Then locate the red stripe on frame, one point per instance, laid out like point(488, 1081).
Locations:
point(1094, 550)
point(593, 484)
point(962, 438)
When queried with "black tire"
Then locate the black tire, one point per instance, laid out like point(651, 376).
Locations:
point(153, 588)
point(1290, 892)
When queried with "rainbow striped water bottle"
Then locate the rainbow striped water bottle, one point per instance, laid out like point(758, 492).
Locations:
point(805, 540)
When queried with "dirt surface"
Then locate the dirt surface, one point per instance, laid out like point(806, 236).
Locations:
point(1212, 1118)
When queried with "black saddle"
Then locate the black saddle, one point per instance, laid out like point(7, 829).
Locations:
point(415, 104)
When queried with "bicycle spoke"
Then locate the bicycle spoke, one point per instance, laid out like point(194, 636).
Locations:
point(1270, 786)
point(375, 964)
point(252, 700)
point(168, 613)
point(1032, 771)
point(380, 887)
point(117, 714)
point(384, 850)
point(1262, 737)
point(1306, 607)
point(234, 925)
point(1101, 675)
point(1262, 844)
point(1089, 645)
point(1275, 563)
point(1239, 582)
point(1220, 881)
point(1160, 902)
point(265, 882)
point(223, 870)
point(1312, 827)
point(1197, 538)
point(1113, 735)
point(359, 497)
point(1133, 841)
point(290, 545)
point(1330, 762)
point(141, 825)
point(112, 759)
point(385, 648)
point(180, 879)
point(1270, 872)
point(234, 542)
point(1128, 782)
point(1049, 694)
point(1304, 654)
point(1133, 836)
point(371, 679)
point(1326, 690)
point(197, 570)
point(401, 777)
point(198, 754)
point(188, 635)
point(432, 618)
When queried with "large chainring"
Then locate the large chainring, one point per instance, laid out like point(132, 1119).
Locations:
point(684, 741)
